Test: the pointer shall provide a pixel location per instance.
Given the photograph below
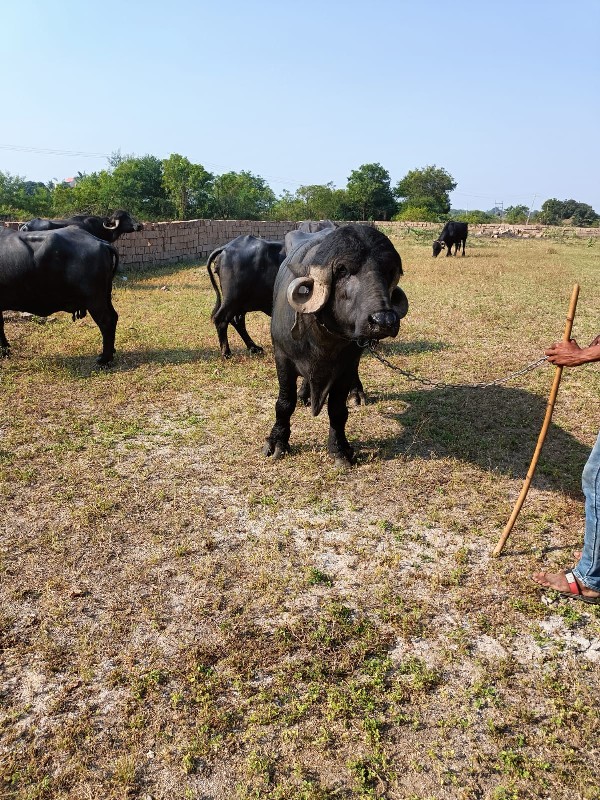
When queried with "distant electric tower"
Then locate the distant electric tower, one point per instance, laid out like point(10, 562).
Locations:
point(499, 205)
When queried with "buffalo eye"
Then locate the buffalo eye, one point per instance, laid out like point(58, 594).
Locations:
point(341, 271)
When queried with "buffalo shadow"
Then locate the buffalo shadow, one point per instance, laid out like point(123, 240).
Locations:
point(400, 348)
point(495, 428)
point(85, 364)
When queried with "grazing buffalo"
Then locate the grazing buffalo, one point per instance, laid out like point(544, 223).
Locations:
point(313, 226)
point(453, 233)
point(246, 268)
point(59, 270)
point(333, 294)
point(107, 228)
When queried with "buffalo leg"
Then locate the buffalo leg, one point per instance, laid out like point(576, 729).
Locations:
point(106, 318)
point(277, 443)
point(4, 345)
point(221, 322)
point(448, 250)
point(464, 241)
point(239, 323)
point(338, 446)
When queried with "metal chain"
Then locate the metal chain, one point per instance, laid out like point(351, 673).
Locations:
point(437, 385)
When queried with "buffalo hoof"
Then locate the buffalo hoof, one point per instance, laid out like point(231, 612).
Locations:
point(277, 452)
point(256, 350)
point(5, 352)
point(226, 355)
point(104, 361)
point(356, 398)
point(343, 457)
point(340, 461)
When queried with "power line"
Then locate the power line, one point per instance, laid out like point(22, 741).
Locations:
point(81, 153)
point(51, 152)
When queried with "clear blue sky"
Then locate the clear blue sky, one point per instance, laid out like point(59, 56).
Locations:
point(503, 95)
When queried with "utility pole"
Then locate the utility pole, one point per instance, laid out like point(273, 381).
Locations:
point(499, 204)
point(530, 208)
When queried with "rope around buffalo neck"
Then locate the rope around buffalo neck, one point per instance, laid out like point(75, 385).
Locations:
point(411, 376)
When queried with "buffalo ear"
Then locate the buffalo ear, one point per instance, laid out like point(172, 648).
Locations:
point(399, 302)
point(308, 294)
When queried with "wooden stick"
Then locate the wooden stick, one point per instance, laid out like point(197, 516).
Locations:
point(543, 432)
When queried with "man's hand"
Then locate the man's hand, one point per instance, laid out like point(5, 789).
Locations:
point(569, 354)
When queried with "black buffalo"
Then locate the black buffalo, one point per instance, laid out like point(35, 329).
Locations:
point(61, 270)
point(332, 295)
point(107, 228)
point(246, 268)
point(292, 240)
point(453, 233)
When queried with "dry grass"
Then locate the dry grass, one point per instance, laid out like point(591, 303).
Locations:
point(182, 618)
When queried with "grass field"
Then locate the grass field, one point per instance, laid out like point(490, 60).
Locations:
point(182, 618)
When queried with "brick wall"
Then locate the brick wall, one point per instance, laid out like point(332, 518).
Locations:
point(192, 240)
point(498, 229)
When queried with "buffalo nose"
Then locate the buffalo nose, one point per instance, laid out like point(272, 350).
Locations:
point(384, 319)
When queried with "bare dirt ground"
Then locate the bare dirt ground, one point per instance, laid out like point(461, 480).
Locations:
point(181, 617)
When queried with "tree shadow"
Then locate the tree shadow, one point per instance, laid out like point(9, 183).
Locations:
point(496, 428)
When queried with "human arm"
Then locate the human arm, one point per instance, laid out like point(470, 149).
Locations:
point(569, 354)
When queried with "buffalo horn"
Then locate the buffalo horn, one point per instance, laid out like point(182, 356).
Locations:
point(112, 227)
point(309, 294)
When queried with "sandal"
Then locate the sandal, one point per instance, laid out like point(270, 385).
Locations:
point(575, 592)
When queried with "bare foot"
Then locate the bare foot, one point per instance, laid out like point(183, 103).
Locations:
point(558, 581)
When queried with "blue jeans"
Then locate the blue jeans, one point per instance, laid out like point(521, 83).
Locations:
point(587, 570)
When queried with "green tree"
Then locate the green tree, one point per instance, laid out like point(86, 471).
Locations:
point(415, 214)
point(516, 214)
point(134, 184)
point(288, 206)
point(317, 201)
point(557, 212)
point(474, 217)
point(22, 199)
point(92, 194)
point(427, 188)
point(369, 194)
point(551, 212)
point(584, 216)
point(241, 195)
point(137, 185)
point(188, 186)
